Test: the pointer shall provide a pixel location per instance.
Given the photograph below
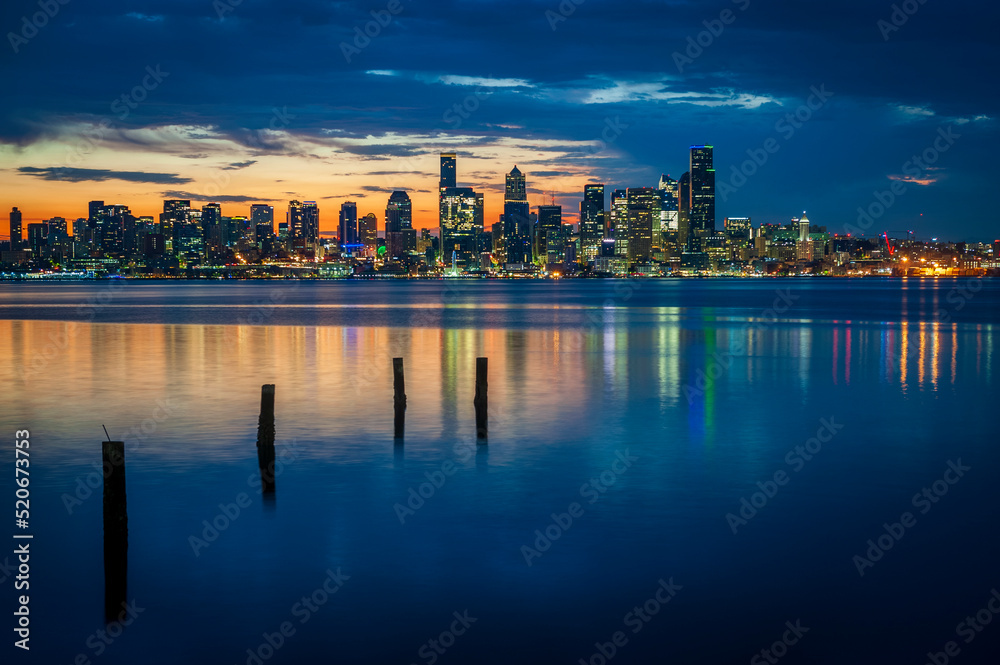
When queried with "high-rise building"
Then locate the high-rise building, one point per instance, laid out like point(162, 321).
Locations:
point(399, 212)
point(643, 214)
point(368, 234)
point(548, 228)
point(517, 225)
point(619, 221)
point(262, 214)
point(461, 218)
point(702, 205)
point(449, 175)
point(174, 216)
point(592, 220)
point(670, 206)
point(16, 232)
point(347, 230)
point(684, 235)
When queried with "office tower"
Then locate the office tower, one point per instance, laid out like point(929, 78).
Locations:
point(310, 216)
point(175, 214)
point(517, 226)
point(592, 220)
point(398, 212)
point(548, 228)
point(702, 204)
point(461, 216)
point(294, 220)
point(803, 248)
point(669, 204)
point(37, 232)
point(642, 210)
point(684, 234)
point(347, 230)
point(619, 221)
point(368, 234)
point(215, 234)
point(261, 214)
point(449, 173)
point(16, 232)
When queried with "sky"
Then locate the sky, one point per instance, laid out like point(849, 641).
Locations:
point(243, 101)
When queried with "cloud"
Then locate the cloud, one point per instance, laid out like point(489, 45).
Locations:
point(219, 198)
point(234, 166)
point(70, 174)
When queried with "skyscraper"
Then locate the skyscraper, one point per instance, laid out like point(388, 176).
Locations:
point(368, 234)
point(684, 234)
point(702, 204)
point(517, 228)
point(399, 212)
point(310, 222)
point(172, 220)
point(619, 221)
point(461, 224)
point(348, 227)
point(591, 220)
point(643, 214)
point(548, 228)
point(262, 215)
point(448, 170)
point(16, 233)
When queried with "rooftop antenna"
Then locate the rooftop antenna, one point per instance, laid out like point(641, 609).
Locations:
point(106, 432)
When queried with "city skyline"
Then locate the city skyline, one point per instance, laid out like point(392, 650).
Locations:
point(208, 123)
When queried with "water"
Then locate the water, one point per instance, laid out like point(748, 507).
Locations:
point(709, 386)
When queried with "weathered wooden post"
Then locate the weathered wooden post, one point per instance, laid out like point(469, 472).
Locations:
point(398, 398)
point(115, 530)
point(481, 399)
point(265, 437)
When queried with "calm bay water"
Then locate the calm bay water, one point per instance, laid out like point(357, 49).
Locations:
point(706, 387)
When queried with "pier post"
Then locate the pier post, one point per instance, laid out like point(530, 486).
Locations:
point(115, 530)
point(398, 398)
point(481, 398)
point(265, 437)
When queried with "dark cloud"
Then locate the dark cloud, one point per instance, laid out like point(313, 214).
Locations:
point(219, 198)
point(234, 166)
point(294, 89)
point(70, 174)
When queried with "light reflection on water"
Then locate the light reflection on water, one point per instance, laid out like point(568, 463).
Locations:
point(566, 393)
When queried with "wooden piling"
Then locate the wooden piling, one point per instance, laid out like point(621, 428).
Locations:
point(115, 530)
point(398, 398)
point(481, 398)
point(265, 437)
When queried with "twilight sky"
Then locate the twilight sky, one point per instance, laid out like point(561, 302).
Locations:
point(262, 104)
